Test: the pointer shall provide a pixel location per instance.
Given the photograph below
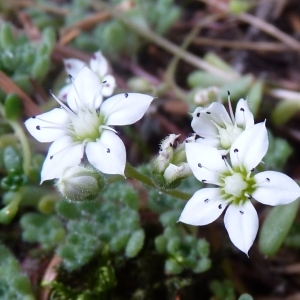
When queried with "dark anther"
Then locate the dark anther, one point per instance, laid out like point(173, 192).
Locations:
point(224, 156)
point(203, 180)
point(199, 165)
point(235, 150)
point(242, 109)
point(51, 157)
point(220, 206)
point(208, 112)
point(249, 197)
point(198, 115)
point(38, 127)
point(228, 93)
point(241, 212)
point(70, 76)
point(197, 136)
point(107, 150)
point(206, 200)
point(171, 145)
point(252, 170)
point(126, 95)
point(268, 179)
point(104, 81)
point(33, 117)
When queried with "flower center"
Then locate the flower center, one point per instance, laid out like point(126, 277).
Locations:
point(85, 125)
point(235, 185)
point(228, 135)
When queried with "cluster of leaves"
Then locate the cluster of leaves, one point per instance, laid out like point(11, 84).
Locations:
point(112, 36)
point(22, 59)
point(14, 284)
point(208, 87)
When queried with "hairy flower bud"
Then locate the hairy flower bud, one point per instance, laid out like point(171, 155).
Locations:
point(79, 183)
point(170, 166)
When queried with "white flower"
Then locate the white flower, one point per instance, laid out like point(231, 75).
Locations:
point(83, 128)
point(237, 185)
point(219, 129)
point(99, 65)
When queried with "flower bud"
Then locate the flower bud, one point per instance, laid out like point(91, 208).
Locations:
point(165, 155)
point(207, 96)
point(173, 172)
point(170, 166)
point(80, 183)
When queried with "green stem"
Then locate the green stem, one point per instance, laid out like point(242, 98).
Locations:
point(164, 43)
point(18, 130)
point(131, 172)
point(170, 73)
point(114, 178)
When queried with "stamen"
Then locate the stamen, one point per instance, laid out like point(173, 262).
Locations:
point(230, 109)
point(206, 200)
point(65, 107)
point(126, 95)
point(107, 150)
point(198, 115)
point(107, 128)
point(77, 104)
point(241, 212)
point(224, 157)
point(260, 183)
point(69, 146)
point(244, 117)
point(236, 151)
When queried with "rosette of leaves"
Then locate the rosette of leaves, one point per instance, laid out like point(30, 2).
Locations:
point(93, 228)
point(13, 283)
point(22, 59)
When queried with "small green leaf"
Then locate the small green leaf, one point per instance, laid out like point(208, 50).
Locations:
point(135, 243)
point(12, 106)
point(276, 227)
point(12, 160)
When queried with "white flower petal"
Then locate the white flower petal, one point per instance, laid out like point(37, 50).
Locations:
point(62, 153)
point(124, 109)
point(209, 141)
point(109, 84)
point(73, 66)
point(206, 162)
point(49, 126)
point(204, 119)
point(241, 222)
point(203, 208)
point(63, 93)
point(85, 91)
point(203, 125)
point(250, 147)
point(243, 116)
point(108, 154)
point(275, 188)
point(98, 64)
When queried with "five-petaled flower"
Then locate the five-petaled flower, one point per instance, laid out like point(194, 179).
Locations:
point(83, 127)
point(99, 65)
point(217, 128)
point(237, 185)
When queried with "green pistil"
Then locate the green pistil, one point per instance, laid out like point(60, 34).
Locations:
point(228, 135)
point(86, 125)
point(237, 187)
